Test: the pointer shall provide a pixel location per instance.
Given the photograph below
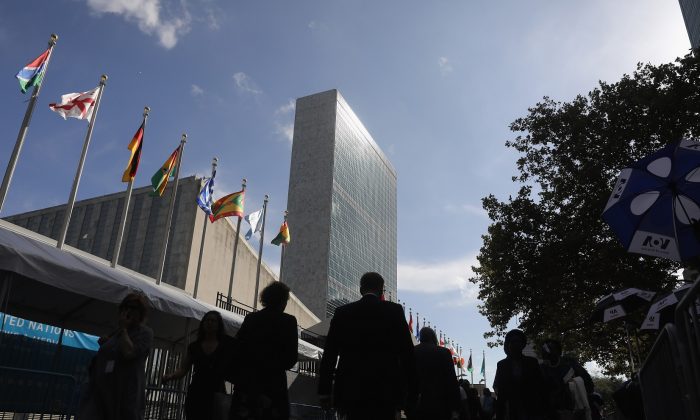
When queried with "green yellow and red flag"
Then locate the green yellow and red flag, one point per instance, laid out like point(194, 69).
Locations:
point(159, 180)
point(228, 205)
point(283, 237)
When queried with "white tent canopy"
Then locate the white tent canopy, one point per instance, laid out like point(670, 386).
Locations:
point(75, 290)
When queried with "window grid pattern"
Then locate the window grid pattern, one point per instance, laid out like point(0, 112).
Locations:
point(363, 214)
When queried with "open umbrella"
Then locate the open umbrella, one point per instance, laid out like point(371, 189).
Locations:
point(654, 208)
point(662, 311)
point(619, 304)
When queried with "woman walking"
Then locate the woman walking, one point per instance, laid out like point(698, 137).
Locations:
point(208, 354)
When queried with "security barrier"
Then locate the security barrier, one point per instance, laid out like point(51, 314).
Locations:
point(670, 375)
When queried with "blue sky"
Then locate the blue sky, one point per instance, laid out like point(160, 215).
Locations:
point(435, 83)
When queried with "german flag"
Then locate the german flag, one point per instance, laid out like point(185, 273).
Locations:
point(135, 147)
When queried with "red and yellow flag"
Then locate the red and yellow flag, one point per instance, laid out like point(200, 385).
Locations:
point(135, 146)
point(283, 237)
point(228, 205)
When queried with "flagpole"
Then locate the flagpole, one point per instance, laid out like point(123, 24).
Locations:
point(235, 249)
point(260, 252)
point(472, 371)
point(418, 326)
point(283, 246)
point(161, 265)
point(12, 164)
point(127, 199)
point(81, 163)
point(214, 163)
point(483, 361)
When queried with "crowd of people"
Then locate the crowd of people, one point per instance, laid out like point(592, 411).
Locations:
point(370, 369)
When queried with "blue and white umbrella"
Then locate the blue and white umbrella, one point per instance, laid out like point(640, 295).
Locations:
point(655, 206)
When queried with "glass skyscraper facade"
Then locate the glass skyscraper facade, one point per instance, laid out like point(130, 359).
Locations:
point(342, 206)
point(691, 15)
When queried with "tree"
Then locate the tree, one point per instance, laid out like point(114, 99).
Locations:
point(547, 255)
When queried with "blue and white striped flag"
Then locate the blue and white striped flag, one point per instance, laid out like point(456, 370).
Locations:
point(206, 197)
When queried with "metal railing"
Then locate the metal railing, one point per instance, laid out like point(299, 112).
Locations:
point(232, 305)
point(687, 322)
point(306, 367)
point(670, 375)
point(49, 394)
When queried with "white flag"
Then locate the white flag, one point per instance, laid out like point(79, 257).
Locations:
point(77, 105)
point(255, 221)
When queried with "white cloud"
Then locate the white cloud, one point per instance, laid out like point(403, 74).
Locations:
point(213, 19)
point(196, 90)
point(246, 84)
point(445, 66)
point(317, 26)
point(286, 108)
point(441, 277)
point(466, 209)
point(284, 127)
point(286, 131)
point(148, 15)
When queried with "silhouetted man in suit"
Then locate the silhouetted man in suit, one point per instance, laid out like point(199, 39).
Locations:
point(519, 382)
point(436, 394)
point(370, 338)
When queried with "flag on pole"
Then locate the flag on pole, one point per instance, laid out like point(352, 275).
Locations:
point(254, 219)
point(483, 367)
point(228, 205)
point(417, 327)
point(33, 73)
point(470, 368)
point(442, 343)
point(77, 105)
point(283, 236)
point(135, 146)
point(410, 321)
point(205, 199)
point(160, 179)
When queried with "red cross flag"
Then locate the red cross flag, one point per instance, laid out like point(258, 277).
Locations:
point(77, 105)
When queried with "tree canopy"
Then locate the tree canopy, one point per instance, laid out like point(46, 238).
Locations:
point(547, 255)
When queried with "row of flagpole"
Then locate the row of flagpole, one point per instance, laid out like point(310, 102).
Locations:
point(446, 342)
point(85, 106)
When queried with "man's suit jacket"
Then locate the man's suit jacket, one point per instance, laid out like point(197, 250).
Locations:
point(375, 351)
point(523, 394)
point(437, 391)
point(268, 341)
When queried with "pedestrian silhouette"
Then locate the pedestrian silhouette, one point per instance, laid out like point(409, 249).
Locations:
point(117, 384)
point(518, 383)
point(488, 405)
point(268, 348)
point(370, 342)
point(209, 355)
point(436, 394)
point(568, 383)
